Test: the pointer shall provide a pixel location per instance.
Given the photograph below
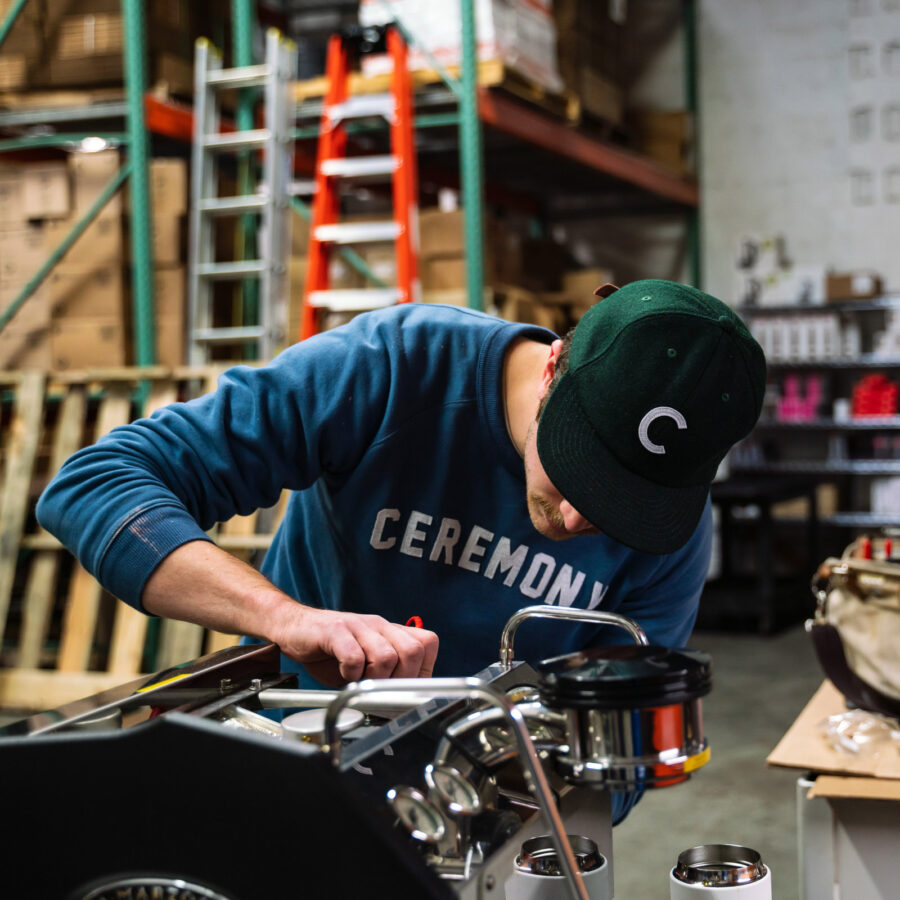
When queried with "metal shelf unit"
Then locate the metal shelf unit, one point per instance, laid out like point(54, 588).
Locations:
point(826, 467)
point(848, 460)
point(873, 423)
point(481, 112)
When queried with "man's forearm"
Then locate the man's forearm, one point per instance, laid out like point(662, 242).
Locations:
point(199, 582)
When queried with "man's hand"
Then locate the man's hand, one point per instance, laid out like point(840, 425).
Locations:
point(337, 647)
point(200, 583)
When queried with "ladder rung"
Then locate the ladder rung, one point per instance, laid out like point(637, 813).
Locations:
point(362, 106)
point(241, 77)
point(357, 232)
point(223, 270)
point(356, 166)
point(305, 188)
point(237, 140)
point(354, 300)
point(228, 335)
point(225, 206)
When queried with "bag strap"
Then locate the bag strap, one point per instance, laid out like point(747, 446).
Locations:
point(830, 652)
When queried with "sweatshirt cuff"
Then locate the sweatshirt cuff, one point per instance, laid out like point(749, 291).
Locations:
point(140, 545)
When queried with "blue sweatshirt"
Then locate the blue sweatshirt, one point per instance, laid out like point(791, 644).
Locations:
point(408, 493)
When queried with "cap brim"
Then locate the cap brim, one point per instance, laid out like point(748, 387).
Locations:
point(633, 510)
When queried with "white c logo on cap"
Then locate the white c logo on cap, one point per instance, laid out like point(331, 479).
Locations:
point(658, 412)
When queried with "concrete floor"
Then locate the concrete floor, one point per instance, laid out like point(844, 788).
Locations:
point(760, 684)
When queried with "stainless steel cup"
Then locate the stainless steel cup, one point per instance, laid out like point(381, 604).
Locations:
point(720, 871)
point(537, 874)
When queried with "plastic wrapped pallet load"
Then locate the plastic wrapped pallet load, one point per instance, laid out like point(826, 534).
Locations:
point(521, 33)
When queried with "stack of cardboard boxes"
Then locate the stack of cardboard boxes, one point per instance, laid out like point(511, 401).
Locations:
point(590, 46)
point(85, 290)
point(61, 44)
point(24, 341)
point(80, 314)
point(168, 196)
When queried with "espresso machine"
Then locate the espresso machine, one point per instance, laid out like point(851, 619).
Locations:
point(491, 786)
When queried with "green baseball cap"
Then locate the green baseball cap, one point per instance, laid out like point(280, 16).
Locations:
point(662, 380)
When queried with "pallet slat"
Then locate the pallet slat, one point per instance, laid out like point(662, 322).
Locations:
point(83, 604)
point(20, 457)
point(39, 591)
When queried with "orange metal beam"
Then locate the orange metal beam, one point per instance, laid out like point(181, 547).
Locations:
point(536, 128)
point(169, 119)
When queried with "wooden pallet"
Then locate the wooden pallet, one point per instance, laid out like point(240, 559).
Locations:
point(492, 73)
point(62, 636)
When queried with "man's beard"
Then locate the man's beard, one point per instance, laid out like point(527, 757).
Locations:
point(557, 527)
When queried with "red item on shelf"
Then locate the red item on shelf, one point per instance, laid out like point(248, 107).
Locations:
point(874, 395)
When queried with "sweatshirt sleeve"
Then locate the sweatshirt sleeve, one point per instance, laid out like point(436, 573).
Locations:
point(146, 488)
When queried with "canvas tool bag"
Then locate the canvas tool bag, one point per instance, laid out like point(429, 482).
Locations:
point(856, 629)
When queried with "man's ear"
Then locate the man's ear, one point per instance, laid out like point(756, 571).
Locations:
point(549, 369)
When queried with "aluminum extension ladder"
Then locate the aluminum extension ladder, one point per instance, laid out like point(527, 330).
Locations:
point(270, 201)
point(333, 166)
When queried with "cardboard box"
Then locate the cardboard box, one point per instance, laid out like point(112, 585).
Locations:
point(21, 253)
point(599, 96)
point(23, 348)
point(82, 43)
point(843, 286)
point(12, 203)
point(581, 283)
point(296, 290)
point(86, 36)
point(442, 233)
point(803, 747)
point(12, 71)
point(169, 238)
point(443, 273)
point(100, 244)
point(170, 340)
point(169, 186)
point(46, 193)
point(87, 343)
point(798, 508)
point(170, 292)
point(33, 314)
point(89, 294)
point(91, 173)
point(25, 36)
point(666, 136)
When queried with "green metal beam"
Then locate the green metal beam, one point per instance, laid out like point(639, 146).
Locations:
point(141, 213)
point(60, 140)
point(695, 229)
point(243, 28)
point(114, 184)
point(470, 161)
point(10, 20)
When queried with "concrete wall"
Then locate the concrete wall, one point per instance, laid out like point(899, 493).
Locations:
point(800, 132)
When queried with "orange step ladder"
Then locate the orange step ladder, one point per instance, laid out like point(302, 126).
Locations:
point(333, 167)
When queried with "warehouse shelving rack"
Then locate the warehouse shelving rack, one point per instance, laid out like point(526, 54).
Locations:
point(135, 171)
point(477, 107)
